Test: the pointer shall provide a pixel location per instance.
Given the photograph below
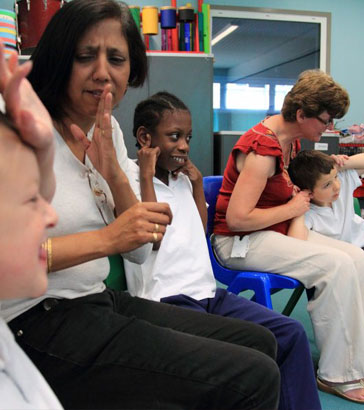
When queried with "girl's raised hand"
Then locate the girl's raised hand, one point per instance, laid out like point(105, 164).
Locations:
point(147, 160)
point(190, 170)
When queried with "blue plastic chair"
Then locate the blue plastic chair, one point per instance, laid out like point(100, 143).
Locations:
point(263, 284)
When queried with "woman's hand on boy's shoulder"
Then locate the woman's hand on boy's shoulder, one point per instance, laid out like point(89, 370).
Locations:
point(147, 160)
point(299, 203)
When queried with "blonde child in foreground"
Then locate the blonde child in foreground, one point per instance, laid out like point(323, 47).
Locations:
point(27, 184)
point(331, 186)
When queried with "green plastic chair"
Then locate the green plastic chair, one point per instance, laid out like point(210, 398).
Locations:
point(357, 206)
point(116, 279)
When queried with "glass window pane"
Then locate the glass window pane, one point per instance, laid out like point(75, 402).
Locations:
point(279, 94)
point(266, 48)
point(246, 97)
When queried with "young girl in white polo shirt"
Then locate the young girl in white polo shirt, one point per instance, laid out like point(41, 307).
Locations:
point(178, 271)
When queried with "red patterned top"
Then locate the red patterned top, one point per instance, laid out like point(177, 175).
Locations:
point(278, 189)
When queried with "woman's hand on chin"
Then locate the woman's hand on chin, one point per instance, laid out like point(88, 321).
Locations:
point(100, 150)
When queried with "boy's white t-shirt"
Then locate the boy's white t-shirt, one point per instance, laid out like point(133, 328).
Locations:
point(182, 263)
point(340, 221)
point(22, 387)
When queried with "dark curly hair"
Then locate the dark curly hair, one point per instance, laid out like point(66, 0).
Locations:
point(149, 112)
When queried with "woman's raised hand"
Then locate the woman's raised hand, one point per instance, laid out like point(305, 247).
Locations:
point(100, 150)
point(29, 116)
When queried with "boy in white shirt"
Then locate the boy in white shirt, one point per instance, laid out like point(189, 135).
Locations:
point(331, 182)
point(26, 186)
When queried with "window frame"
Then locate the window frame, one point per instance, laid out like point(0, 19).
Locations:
point(322, 18)
point(233, 12)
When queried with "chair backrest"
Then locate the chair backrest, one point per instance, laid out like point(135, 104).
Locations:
point(211, 186)
point(357, 206)
point(262, 283)
point(116, 278)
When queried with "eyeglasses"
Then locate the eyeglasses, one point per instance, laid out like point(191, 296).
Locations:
point(325, 122)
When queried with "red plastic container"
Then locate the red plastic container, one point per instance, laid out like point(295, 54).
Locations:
point(33, 17)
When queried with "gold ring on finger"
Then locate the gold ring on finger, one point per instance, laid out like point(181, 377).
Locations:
point(156, 228)
point(155, 236)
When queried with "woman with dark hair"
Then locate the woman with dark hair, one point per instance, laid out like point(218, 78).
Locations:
point(96, 347)
point(54, 56)
point(257, 208)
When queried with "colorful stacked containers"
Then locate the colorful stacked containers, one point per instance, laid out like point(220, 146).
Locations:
point(150, 20)
point(8, 31)
point(135, 12)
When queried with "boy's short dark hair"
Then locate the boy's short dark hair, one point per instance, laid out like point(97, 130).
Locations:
point(308, 166)
point(149, 112)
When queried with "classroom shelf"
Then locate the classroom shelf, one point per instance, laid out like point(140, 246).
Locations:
point(352, 145)
point(178, 53)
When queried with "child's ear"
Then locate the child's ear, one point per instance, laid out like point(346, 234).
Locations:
point(143, 137)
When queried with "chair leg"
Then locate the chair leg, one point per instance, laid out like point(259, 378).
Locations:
point(263, 297)
point(259, 285)
point(293, 300)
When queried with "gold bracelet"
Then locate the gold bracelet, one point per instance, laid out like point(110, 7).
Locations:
point(49, 254)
